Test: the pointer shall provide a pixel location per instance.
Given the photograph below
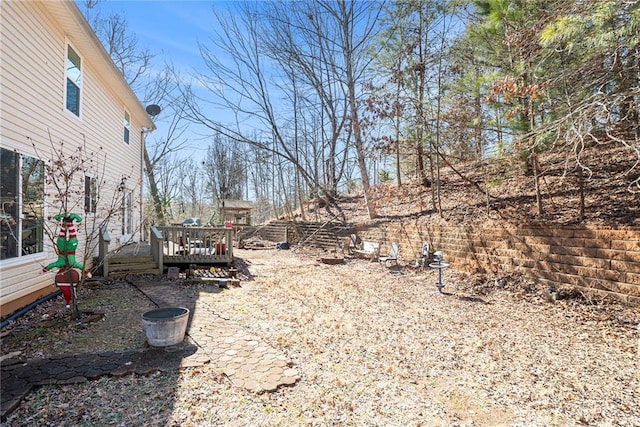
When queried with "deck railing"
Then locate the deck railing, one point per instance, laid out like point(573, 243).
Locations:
point(191, 245)
point(155, 245)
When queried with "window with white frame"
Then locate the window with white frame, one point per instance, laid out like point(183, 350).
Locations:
point(74, 81)
point(127, 127)
point(90, 194)
point(127, 213)
point(22, 197)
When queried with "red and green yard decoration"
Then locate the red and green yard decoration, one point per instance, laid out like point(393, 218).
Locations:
point(69, 269)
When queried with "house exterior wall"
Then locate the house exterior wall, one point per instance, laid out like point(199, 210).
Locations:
point(35, 121)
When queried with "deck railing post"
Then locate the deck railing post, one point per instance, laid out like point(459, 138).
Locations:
point(229, 239)
point(156, 241)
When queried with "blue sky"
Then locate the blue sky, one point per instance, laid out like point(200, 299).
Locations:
point(171, 30)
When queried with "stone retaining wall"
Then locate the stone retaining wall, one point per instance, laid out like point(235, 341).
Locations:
point(597, 260)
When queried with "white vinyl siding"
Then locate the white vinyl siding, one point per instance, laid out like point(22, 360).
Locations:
point(34, 100)
point(35, 36)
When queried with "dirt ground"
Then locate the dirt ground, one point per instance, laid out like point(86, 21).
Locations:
point(375, 346)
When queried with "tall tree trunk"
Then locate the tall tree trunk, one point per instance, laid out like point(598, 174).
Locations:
point(536, 176)
point(397, 124)
point(422, 173)
point(153, 188)
point(353, 107)
point(581, 212)
point(298, 196)
point(477, 106)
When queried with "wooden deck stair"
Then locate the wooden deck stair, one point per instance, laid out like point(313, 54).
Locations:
point(123, 265)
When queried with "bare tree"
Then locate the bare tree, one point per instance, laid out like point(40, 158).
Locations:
point(347, 17)
point(302, 41)
point(168, 184)
point(134, 63)
point(120, 43)
point(225, 170)
point(193, 187)
point(158, 149)
point(315, 55)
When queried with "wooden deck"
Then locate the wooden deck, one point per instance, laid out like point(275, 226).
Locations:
point(174, 245)
point(191, 245)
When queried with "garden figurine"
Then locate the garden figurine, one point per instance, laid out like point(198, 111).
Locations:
point(68, 275)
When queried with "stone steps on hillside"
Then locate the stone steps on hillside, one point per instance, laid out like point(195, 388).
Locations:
point(319, 235)
point(328, 236)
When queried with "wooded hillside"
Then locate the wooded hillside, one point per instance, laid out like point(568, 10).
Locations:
point(501, 190)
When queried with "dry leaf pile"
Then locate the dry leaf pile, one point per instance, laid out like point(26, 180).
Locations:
point(377, 348)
